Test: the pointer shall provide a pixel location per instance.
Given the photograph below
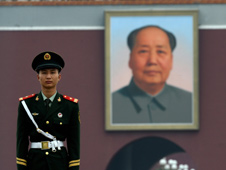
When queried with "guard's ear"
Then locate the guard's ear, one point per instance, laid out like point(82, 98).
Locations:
point(59, 77)
point(38, 77)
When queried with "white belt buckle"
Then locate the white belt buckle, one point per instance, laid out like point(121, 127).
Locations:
point(45, 145)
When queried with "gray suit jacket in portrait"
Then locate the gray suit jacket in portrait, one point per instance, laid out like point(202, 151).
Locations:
point(132, 105)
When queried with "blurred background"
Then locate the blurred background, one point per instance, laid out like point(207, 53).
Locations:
point(75, 29)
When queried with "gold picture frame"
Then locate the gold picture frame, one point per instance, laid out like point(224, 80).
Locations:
point(184, 26)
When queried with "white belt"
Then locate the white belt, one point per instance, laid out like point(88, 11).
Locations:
point(47, 145)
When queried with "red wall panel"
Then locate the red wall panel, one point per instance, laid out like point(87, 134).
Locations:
point(83, 78)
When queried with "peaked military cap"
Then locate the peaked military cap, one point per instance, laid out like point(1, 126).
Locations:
point(46, 60)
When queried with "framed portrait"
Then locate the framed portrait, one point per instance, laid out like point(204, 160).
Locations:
point(151, 70)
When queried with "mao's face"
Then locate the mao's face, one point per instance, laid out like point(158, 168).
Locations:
point(151, 57)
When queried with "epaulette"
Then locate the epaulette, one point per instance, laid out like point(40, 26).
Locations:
point(26, 97)
point(71, 99)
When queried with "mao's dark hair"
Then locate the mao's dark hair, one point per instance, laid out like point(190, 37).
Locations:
point(131, 39)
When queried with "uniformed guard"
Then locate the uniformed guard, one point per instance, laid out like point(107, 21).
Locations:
point(47, 119)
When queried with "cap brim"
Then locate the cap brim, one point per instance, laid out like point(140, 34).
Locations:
point(46, 66)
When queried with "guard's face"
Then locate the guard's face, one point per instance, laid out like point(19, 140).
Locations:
point(49, 78)
point(151, 58)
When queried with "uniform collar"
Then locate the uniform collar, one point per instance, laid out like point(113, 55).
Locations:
point(51, 98)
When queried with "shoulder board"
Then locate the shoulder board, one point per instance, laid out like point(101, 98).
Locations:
point(26, 97)
point(71, 99)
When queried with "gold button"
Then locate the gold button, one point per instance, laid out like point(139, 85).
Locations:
point(47, 132)
point(47, 122)
point(47, 153)
point(61, 123)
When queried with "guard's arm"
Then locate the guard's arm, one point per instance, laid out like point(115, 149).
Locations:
point(22, 139)
point(73, 140)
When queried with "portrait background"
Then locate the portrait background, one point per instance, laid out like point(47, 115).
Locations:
point(182, 28)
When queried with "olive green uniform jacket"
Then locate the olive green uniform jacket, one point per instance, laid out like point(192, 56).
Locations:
point(62, 120)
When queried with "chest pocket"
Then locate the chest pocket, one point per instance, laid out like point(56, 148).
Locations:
point(37, 117)
point(60, 127)
point(60, 121)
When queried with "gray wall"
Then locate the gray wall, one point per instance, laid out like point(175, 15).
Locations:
point(93, 16)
